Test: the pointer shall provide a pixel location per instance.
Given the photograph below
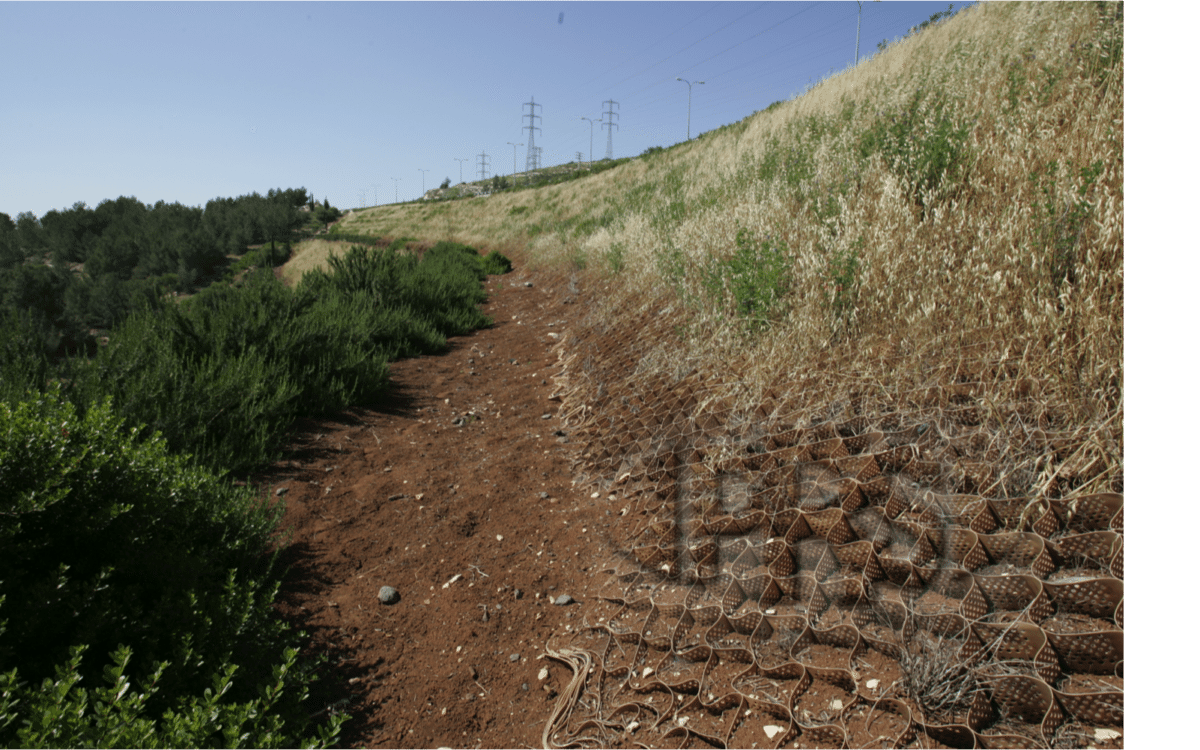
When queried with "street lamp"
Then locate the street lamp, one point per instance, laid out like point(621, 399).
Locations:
point(422, 171)
point(514, 145)
point(460, 161)
point(591, 129)
point(689, 83)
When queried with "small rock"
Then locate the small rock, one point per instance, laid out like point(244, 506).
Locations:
point(543, 495)
point(281, 492)
point(772, 730)
point(545, 416)
point(563, 600)
point(517, 593)
point(514, 657)
point(529, 283)
point(388, 595)
point(872, 684)
point(525, 687)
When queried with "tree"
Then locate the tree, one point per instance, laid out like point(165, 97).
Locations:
point(10, 252)
point(30, 237)
point(445, 183)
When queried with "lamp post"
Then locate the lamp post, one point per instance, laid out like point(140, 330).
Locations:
point(689, 83)
point(514, 145)
point(396, 182)
point(422, 171)
point(858, 32)
point(460, 161)
point(591, 129)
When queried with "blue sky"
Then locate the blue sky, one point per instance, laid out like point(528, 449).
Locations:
point(184, 102)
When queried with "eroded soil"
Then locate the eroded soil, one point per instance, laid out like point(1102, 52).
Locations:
point(455, 489)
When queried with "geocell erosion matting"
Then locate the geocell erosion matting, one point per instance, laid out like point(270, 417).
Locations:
point(791, 577)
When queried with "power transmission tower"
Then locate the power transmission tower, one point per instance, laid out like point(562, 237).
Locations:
point(531, 155)
point(483, 165)
point(610, 125)
point(579, 157)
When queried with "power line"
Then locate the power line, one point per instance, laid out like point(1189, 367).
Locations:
point(483, 165)
point(747, 39)
point(693, 44)
point(711, 8)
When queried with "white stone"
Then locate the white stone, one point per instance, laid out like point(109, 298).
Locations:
point(772, 730)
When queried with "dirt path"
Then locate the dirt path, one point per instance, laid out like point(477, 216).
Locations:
point(455, 489)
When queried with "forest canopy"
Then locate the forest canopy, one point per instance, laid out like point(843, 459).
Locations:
point(83, 269)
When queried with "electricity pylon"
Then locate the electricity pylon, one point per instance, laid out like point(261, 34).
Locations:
point(531, 155)
point(610, 125)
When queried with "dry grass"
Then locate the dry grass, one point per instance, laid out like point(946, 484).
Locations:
point(992, 291)
point(308, 255)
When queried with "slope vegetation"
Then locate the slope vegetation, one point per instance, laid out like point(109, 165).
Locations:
point(854, 366)
point(951, 207)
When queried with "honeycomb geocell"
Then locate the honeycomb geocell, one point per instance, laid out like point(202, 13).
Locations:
point(780, 567)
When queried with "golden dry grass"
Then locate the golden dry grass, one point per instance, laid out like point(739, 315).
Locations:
point(309, 255)
point(903, 284)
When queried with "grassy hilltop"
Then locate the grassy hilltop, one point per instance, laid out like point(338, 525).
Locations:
point(941, 225)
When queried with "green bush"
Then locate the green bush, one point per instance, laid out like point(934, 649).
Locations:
point(749, 284)
point(840, 291)
point(922, 143)
point(26, 342)
point(495, 263)
point(223, 375)
point(61, 713)
point(112, 541)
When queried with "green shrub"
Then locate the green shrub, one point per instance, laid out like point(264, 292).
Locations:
point(223, 375)
point(61, 713)
point(840, 291)
point(1062, 218)
point(495, 263)
point(112, 541)
point(26, 342)
point(922, 143)
point(750, 283)
point(615, 256)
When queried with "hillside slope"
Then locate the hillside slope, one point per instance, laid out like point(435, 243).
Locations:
point(855, 362)
point(954, 202)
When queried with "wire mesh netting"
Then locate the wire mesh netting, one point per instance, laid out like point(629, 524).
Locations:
point(791, 576)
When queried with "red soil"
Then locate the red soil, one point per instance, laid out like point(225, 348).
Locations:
point(396, 494)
